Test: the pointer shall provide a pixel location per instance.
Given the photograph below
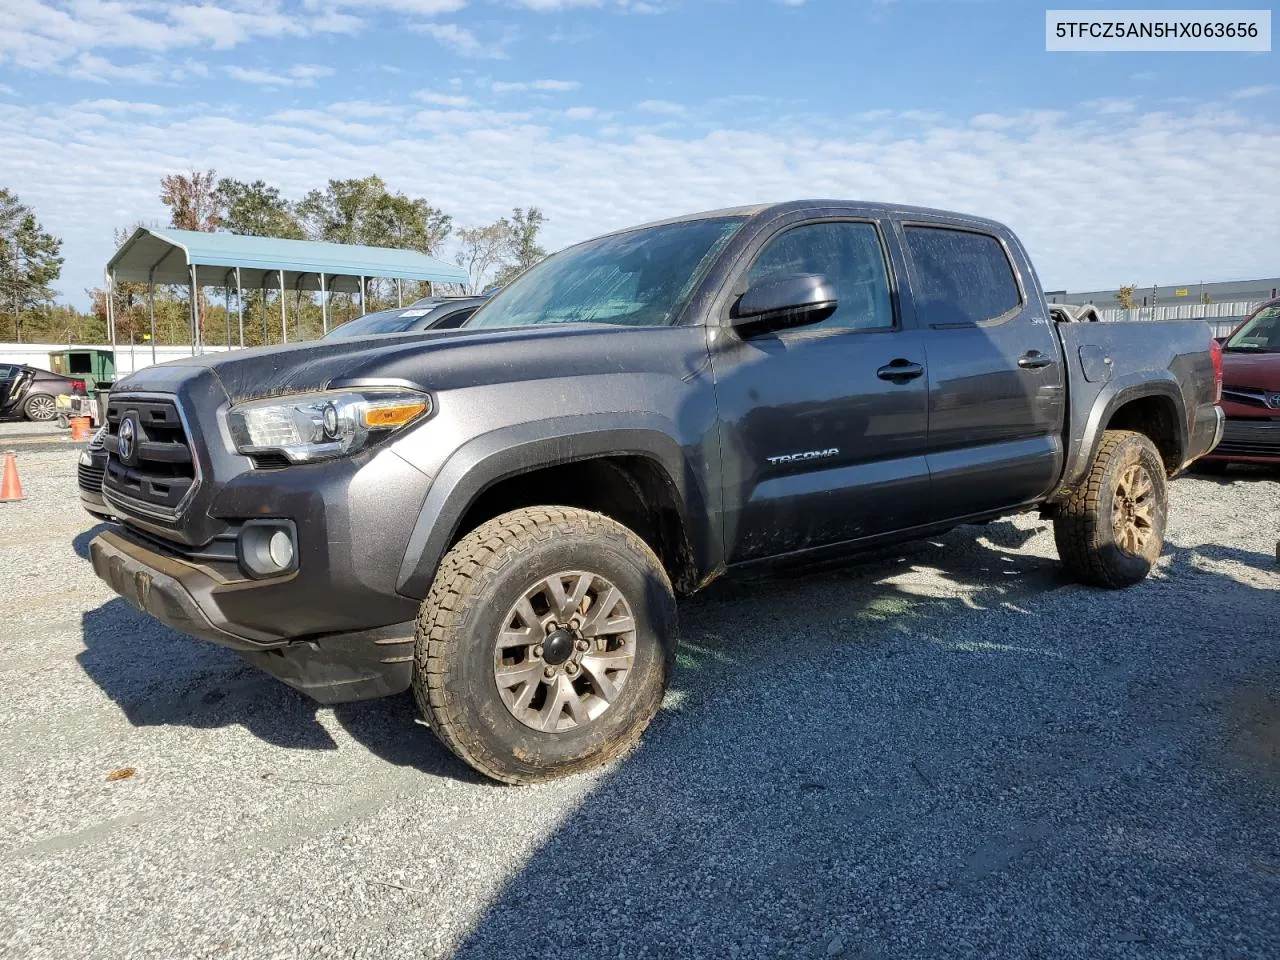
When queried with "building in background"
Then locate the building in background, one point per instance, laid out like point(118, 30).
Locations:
point(1226, 291)
point(1223, 304)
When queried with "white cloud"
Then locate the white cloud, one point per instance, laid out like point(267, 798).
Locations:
point(119, 106)
point(581, 113)
point(299, 75)
point(463, 42)
point(1248, 93)
point(443, 99)
point(545, 86)
point(47, 36)
point(661, 106)
point(96, 69)
point(1094, 216)
point(1112, 105)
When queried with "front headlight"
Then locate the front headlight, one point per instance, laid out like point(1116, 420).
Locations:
point(317, 426)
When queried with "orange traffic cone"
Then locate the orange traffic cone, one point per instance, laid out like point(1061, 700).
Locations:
point(10, 485)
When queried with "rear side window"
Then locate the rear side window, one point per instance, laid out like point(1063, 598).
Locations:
point(959, 277)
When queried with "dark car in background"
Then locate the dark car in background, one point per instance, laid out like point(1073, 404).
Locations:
point(30, 392)
point(431, 313)
point(1251, 391)
point(89, 472)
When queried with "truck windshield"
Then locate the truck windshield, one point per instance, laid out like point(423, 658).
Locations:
point(1259, 335)
point(641, 278)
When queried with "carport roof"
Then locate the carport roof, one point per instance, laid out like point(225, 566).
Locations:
point(166, 256)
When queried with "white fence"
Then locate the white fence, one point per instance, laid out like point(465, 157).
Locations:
point(128, 358)
point(1221, 317)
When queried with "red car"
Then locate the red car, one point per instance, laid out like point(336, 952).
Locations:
point(1251, 390)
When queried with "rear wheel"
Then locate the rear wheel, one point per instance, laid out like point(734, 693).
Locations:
point(545, 644)
point(41, 408)
point(1110, 532)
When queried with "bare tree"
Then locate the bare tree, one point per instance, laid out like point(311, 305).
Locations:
point(483, 249)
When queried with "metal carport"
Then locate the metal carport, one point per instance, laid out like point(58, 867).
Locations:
point(228, 260)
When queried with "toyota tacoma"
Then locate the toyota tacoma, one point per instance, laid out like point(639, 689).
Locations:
point(500, 517)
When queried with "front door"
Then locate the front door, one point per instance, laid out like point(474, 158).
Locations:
point(823, 427)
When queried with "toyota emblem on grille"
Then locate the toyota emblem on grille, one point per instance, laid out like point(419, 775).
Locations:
point(128, 440)
point(1273, 401)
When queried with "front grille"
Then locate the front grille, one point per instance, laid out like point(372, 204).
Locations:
point(160, 471)
point(89, 476)
point(1250, 397)
point(1250, 438)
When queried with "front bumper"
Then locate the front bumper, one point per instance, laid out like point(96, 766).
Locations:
point(89, 470)
point(1249, 440)
point(331, 668)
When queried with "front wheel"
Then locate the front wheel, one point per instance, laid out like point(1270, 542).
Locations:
point(1110, 531)
point(545, 644)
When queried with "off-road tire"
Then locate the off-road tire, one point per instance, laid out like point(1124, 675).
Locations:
point(457, 629)
point(1084, 524)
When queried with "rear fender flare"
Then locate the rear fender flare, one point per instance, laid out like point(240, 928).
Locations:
point(1114, 395)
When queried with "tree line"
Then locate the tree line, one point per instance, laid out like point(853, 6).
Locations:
point(353, 211)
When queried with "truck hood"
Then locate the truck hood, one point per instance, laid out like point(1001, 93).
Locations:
point(434, 360)
point(1257, 371)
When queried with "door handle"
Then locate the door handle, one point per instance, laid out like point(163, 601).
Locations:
point(1034, 360)
point(900, 371)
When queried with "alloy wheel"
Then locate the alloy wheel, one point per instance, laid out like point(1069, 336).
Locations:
point(565, 651)
point(1131, 509)
point(41, 407)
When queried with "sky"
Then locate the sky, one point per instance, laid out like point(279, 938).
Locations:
point(1114, 168)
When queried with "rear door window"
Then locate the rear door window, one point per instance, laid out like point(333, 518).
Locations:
point(960, 278)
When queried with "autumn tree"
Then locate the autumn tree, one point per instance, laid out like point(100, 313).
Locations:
point(192, 200)
point(30, 260)
point(1125, 297)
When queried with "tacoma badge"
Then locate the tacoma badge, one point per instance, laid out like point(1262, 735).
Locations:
point(807, 455)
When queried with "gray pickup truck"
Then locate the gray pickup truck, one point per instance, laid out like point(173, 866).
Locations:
point(501, 516)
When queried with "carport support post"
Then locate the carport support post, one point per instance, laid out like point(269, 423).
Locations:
point(262, 289)
point(111, 311)
point(284, 320)
point(324, 306)
point(240, 306)
point(195, 310)
point(151, 309)
point(362, 296)
point(399, 294)
point(226, 308)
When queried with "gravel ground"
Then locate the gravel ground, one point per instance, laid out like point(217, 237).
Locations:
point(947, 752)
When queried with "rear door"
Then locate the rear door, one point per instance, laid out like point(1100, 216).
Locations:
point(996, 378)
point(823, 427)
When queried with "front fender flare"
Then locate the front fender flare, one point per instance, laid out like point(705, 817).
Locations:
point(522, 448)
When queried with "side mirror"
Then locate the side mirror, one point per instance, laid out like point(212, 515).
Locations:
point(794, 300)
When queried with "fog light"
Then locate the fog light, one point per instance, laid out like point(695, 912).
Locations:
point(280, 549)
point(267, 548)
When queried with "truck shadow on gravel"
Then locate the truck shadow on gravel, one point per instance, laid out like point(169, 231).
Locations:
point(985, 761)
point(157, 676)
